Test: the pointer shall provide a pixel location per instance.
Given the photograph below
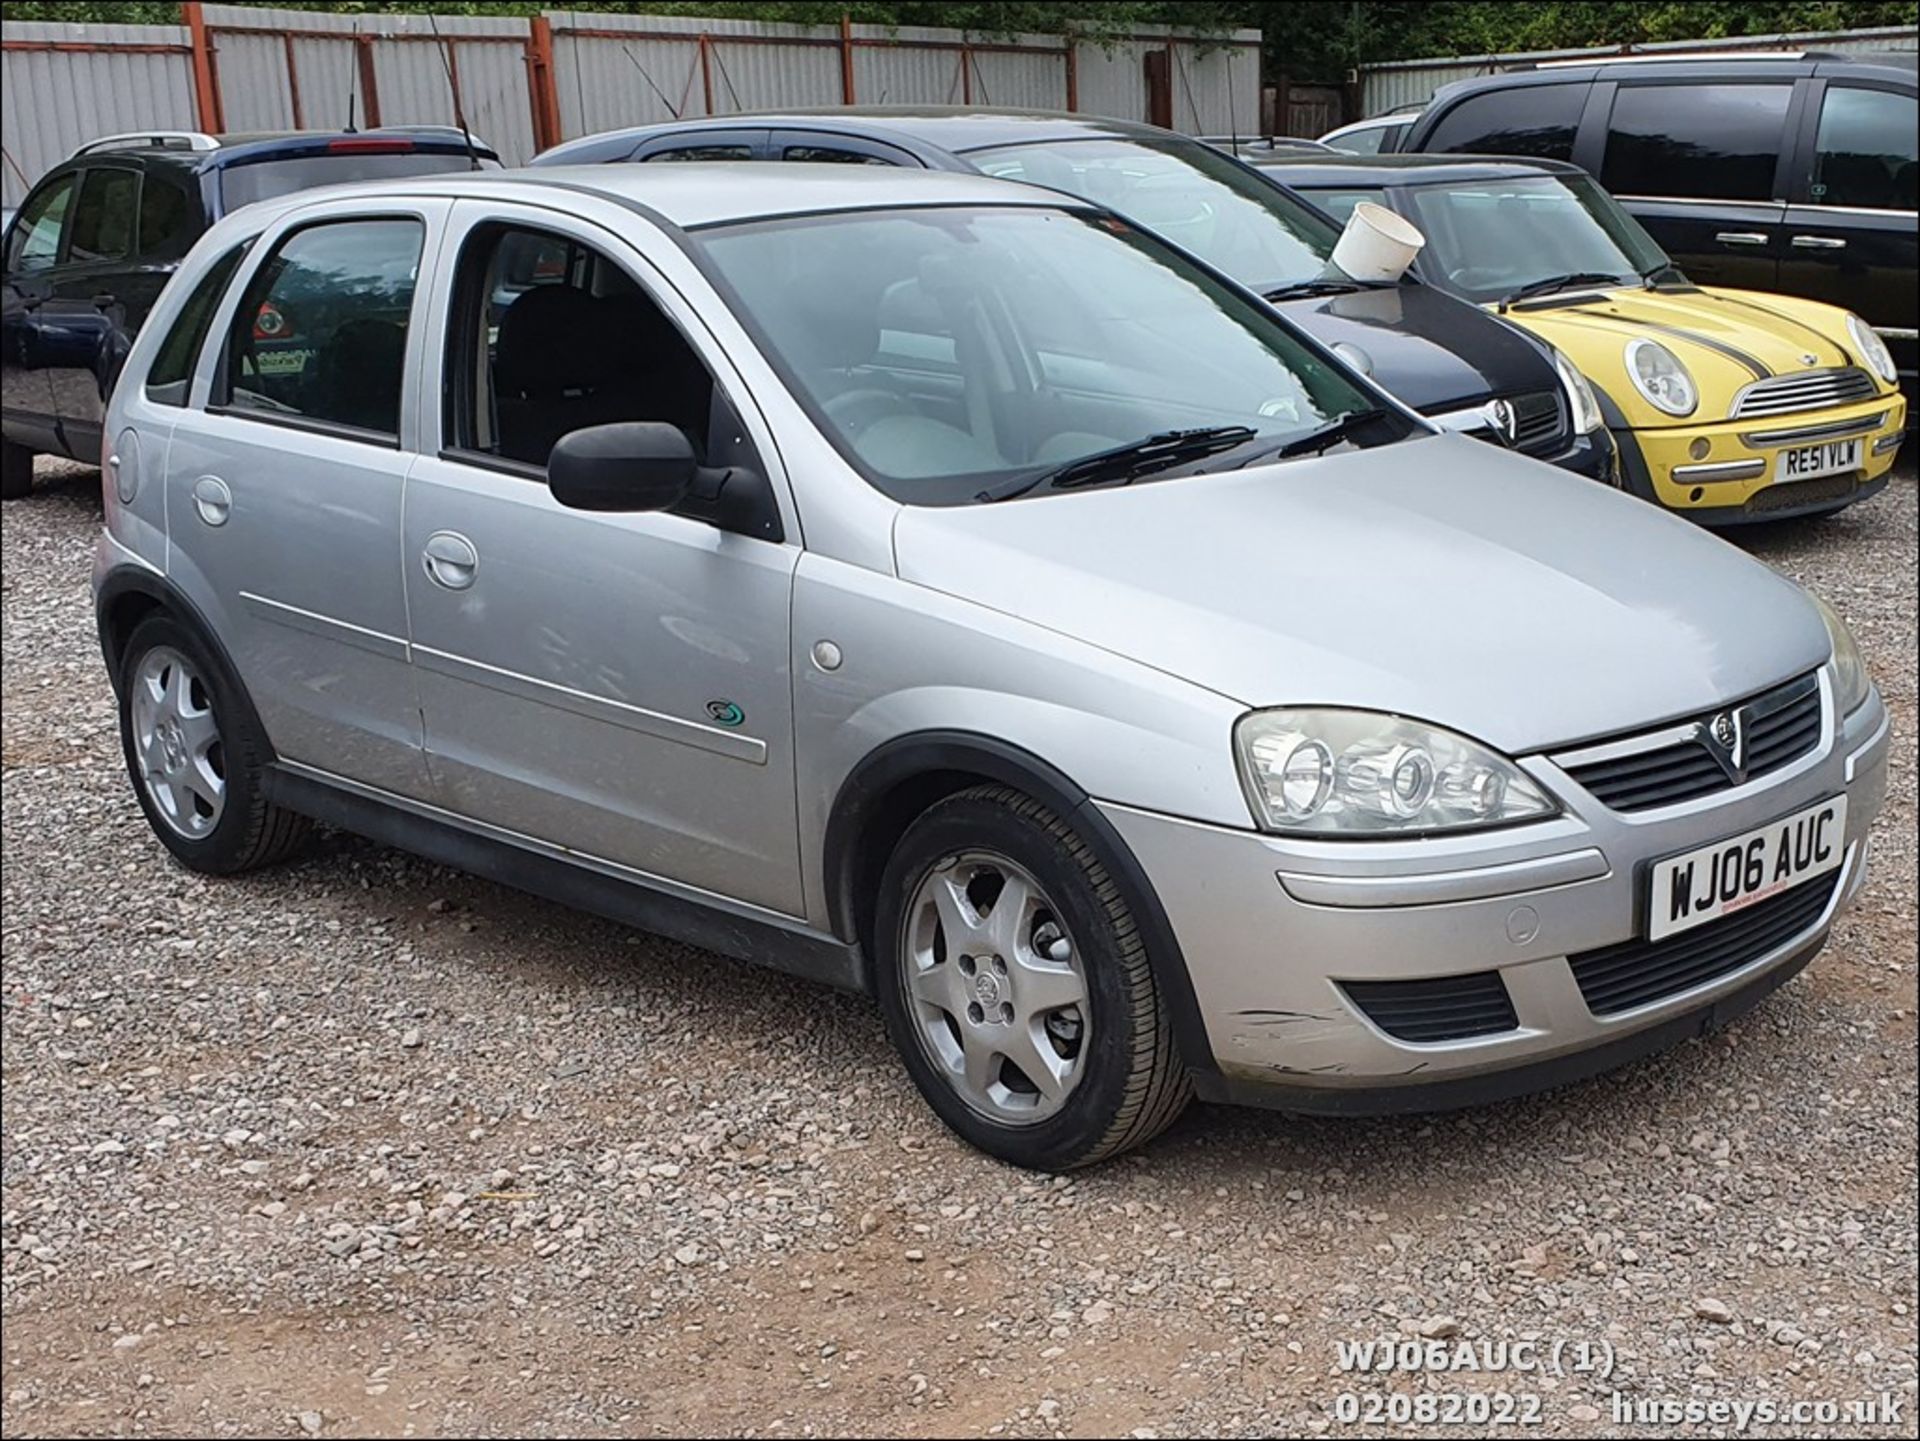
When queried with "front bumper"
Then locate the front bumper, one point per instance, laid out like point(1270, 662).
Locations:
point(1271, 928)
point(1734, 471)
point(1594, 455)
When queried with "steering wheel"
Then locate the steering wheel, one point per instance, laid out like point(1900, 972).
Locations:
point(854, 410)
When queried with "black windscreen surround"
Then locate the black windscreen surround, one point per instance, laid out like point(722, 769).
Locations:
point(1713, 142)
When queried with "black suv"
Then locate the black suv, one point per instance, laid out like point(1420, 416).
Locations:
point(1793, 172)
point(94, 243)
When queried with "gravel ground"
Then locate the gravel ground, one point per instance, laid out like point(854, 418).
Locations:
point(363, 1145)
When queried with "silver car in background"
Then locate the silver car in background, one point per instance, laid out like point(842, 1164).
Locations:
point(941, 588)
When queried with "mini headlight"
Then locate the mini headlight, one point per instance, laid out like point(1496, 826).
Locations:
point(1657, 373)
point(1850, 680)
point(1868, 345)
point(1582, 404)
point(1358, 773)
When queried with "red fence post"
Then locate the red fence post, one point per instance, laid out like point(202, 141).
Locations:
point(369, 85)
point(206, 89)
point(846, 57)
point(706, 69)
point(293, 84)
point(542, 93)
point(1073, 71)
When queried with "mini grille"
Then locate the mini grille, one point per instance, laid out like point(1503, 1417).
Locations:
point(1796, 493)
point(1619, 978)
point(1537, 424)
point(1445, 1008)
point(1783, 725)
point(1809, 390)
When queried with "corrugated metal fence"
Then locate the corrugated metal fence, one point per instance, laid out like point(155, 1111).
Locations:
point(1406, 83)
point(527, 84)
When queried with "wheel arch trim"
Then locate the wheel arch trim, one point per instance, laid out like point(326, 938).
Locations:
point(862, 800)
point(132, 580)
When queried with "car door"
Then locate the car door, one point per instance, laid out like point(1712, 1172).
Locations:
point(285, 491)
point(81, 328)
point(615, 684)
point(1701, 164)
point(1850, 224)
point(34, 244)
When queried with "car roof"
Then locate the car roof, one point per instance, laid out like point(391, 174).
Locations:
point(1864, 65)
point(723, 192)
point(956, 128)
point(1310, 170)
point(216, 152)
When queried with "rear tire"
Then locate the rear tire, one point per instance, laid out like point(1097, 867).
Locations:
point(196, 756)
point(1003, 950)
point(16, 470)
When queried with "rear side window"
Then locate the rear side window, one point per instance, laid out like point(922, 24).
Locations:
point(34, 242)
point(164, 209)
point(321, 332)
point(1536, 120)
point(103, 216)
point(1714, 142)
point(829, 155)
point(172, 369)
point(1865, 155)
point(1363, 142)
point(702, 153)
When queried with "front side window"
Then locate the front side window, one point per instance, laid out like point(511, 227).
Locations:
point(956, 354)
point(701, 153)
point(549, 336)
point(103, 216)
point(34, 242)
point(171, 373)
point(1534, 120)
point(1362, 142)
point(1715, 142)
point(1339, 203)
point(829, 155)
point(1487, 239)
point(1865, 155)
point(321, 332)
point(165, 209)
point(1184, 192)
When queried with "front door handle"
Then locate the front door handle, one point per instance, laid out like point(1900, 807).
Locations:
point(1741, 237)
point(450, 559)
point(212, 501)
point(1819, 242)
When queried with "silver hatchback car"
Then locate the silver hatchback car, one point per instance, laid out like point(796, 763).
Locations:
point(943, 589)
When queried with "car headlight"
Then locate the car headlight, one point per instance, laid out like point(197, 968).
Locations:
point(1868, 345)
point(1850, 680)
point(1659, 375)
point(1360, 773)
point(1582, 403)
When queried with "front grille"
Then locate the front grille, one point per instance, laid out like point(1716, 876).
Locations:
point(1637, 973)
point(1809, 390)
point(1781, 726)
point(1446, 1008)
point(1796, 493)
point(1537, 425)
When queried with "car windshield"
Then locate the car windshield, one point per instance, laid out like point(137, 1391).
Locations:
point(264, 179)
point(957, 354)
point(1487, 239)
point(1186, 192)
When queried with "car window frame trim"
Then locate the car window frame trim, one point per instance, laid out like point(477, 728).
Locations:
point(1791, 124)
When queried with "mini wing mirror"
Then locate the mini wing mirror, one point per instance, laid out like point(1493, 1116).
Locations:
point(632, 466)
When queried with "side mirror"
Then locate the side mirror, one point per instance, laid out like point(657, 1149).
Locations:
point(632, 466)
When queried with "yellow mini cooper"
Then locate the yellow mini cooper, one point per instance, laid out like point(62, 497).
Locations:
point(1727, 405)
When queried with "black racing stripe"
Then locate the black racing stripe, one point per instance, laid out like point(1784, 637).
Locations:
point(1790, 319)
point(1739, 357)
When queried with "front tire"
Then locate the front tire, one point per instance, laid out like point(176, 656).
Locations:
point(16, 470)
point(196, 756)
point(1017, 987)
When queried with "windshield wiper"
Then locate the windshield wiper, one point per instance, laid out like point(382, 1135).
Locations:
point(1329, 435)
point(1298, 288)
point(1558, 282)
point(1123, 462)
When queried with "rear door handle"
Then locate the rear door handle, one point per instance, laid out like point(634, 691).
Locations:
point(450, 559)
point(1819, 242)
point(1741, 237)
point(212, 500)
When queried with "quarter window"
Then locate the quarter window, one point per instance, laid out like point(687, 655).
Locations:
point(35, 241)
point(172, 370)
point(104, 214)
point(321, 332)
point(1866, 150)
point(1536, 120)
point(1714, 142)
